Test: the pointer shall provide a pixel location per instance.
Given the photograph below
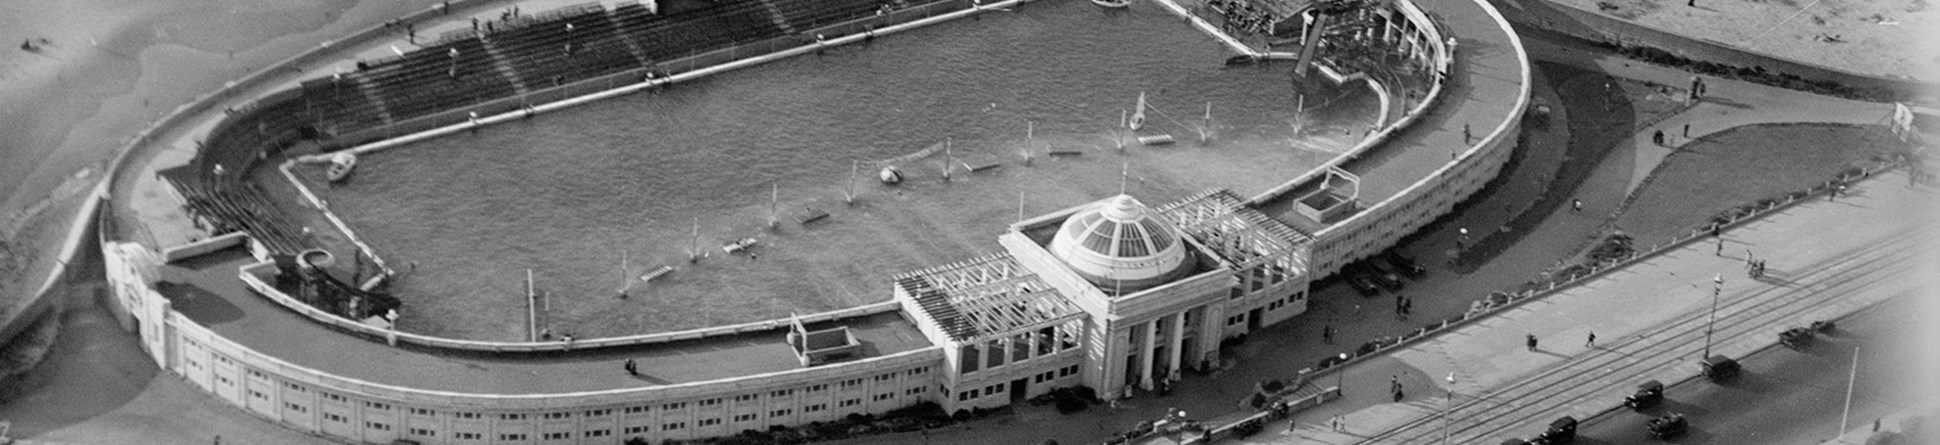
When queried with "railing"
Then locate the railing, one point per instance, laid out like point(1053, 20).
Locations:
point(1555, 285)
point(252, 276)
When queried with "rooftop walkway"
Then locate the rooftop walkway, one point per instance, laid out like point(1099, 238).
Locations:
point(210, 294)
point(1479, 94)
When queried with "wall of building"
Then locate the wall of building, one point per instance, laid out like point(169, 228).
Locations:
point(310, 400)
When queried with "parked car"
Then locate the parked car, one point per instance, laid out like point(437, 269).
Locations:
point(1360, 282)
point(1668, 426)
point(1387, 279)
point(1403, 264)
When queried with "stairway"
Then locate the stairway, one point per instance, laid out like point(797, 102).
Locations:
point(775, 15)
point(503, 67)
point(370, 93)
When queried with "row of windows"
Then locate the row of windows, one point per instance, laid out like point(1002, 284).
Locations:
point(294, 387)
point(1056, 374)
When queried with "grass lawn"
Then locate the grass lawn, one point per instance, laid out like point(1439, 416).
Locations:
point(1743, 165)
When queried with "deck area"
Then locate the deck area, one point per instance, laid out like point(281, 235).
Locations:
point(210, 294)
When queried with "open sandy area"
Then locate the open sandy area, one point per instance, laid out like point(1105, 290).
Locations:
point(1892, 38)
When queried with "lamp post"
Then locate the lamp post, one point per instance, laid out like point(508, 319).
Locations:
point(1717, 286)
point(1340, 376)
point(1449, 405)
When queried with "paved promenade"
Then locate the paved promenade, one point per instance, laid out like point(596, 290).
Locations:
point(1649, 319)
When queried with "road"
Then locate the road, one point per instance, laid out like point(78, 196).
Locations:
point(1788, 397)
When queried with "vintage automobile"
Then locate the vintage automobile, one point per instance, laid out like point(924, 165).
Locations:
point(1668, 426)
point(1648, 395)
point(1719, 368)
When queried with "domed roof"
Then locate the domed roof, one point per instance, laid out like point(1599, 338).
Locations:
point(1120, 244)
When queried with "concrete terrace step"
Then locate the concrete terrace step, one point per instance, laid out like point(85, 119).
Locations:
point(504, 67)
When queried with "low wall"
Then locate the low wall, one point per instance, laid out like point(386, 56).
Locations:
point(252, 276)
point(1558, 285)
point(199, 248)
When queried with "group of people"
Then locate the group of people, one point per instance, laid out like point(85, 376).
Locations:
point(1241, 16)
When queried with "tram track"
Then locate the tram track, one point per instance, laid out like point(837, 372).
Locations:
point(1537, 398)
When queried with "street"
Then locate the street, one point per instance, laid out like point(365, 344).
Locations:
point(1788, 397)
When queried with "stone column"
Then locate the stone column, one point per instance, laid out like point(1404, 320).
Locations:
point(1178, 341)
point(1145, 353)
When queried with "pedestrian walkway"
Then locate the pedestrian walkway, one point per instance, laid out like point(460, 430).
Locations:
point(1648, 318)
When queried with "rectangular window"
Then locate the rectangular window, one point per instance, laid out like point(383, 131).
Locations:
point(673, 426)
point(598, 412)
point(333, 417)
point(599, 433)
point(423, 412)
point(850, 383)
point(377, 406)
point(377, 426)
point(558, 415)
point(258, 394)
point(296, 407)
point(636, 409)
point(465, 415)
point(912, 391)
point(884, 396)
point(780, 412)
point(817, 388)
point(636, 429)
point(781, 393)
point(295, 387)
point(423, 432)
point(333, 397)
point(885, 377)
point(851, 402)
point(512, 416)
point(511, 436)
point(815, 408)
point(673, 406)
point(558, 436)
point(709, 421)
point(465, 435)
point(257, 374)
point(745, 397)
point(709, 402)
point(743, 417)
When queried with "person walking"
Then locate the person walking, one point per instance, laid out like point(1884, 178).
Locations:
point(1591, 343)
point(1657, 137)
point(1336, 421)
point(1327, 334)
point(632, 368)
point(1576, 205)
point(1531, 340)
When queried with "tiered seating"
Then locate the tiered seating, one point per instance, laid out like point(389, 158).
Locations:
point(810, 14)
point(537, 48)
point(708, 27)
point(422, 83)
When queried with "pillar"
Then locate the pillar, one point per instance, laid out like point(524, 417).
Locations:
point(1145, 353)
point(1178, 341)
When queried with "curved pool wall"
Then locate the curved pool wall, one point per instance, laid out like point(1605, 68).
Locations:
point(349, 409)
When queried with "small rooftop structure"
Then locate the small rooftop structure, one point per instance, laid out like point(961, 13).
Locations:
point(985, 296)
point(1120, 244)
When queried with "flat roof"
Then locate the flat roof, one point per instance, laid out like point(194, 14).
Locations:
point(1481, 91)
point(216, 299)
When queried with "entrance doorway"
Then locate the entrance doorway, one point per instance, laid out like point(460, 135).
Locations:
point(1253, 320)
point(1019, 389)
